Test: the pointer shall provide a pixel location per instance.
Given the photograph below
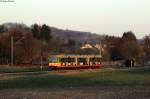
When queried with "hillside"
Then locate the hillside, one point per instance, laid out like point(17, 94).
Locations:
point(64, 35)
point(76, 35)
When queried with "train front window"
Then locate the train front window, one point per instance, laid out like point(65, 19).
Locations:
point(53, 60)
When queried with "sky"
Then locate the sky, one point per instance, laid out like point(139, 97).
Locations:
point(112, 17)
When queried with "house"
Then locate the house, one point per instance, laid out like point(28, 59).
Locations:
point(86, 46)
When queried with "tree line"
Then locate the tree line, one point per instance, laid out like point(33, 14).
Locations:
point(32, 43)
point(36, 42)
point(29, 42)
point(126, 47)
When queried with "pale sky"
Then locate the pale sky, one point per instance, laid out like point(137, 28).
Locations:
point(111, 17)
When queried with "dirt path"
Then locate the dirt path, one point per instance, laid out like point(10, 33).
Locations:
point(64, 72)
point(78, 93)
point(4, 76)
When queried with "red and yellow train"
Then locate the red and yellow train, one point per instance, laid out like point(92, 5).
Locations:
point(74, 61)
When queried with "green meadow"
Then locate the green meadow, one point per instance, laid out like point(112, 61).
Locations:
point(131, 77)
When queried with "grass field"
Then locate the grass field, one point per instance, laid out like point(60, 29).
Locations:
point(131, 83)
point(104, 77)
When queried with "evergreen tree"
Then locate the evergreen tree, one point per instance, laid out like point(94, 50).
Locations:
point(45, 33)
point(128, 46)
point(36, 31)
